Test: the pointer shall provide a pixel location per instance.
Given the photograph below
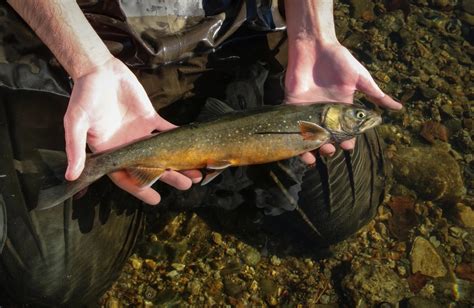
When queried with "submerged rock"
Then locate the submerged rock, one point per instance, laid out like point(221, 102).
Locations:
point(425, 259)
point(431, 172)
point(465, 215)
point(376, 283)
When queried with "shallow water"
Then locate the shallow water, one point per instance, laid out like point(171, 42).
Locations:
point(421, 56)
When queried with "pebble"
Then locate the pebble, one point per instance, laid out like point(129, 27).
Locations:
point(455, 232)
point(434, 241)
point(136, 263)
point(172, 274)
point(465, 215)
point(425, 259)
point(420, 302)
point(468, 6)
point(178, 266)
point(151, 264)
point(275, 260)
point(112, 302)
point(402, 271)
point(251, 256)
point(253, 286)
point(217, 238)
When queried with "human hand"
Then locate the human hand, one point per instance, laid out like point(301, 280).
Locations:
point(327, 72)
point(109, 107)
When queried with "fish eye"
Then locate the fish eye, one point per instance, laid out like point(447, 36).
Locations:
point(360, 114)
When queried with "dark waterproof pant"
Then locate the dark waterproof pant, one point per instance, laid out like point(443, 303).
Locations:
point(70, 253)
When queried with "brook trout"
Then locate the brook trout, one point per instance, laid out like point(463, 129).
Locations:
point(235, 139)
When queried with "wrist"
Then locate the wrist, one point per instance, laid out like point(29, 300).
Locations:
point(84, 64)
point(310, 20)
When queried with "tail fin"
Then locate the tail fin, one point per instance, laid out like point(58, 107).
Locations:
point(57, 194)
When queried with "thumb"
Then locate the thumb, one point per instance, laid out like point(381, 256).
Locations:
point(75, 128)
point(161, 124)
point(367, 85)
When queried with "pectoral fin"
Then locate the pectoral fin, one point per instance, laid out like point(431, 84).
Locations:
point(145, 176)
point(312, 131)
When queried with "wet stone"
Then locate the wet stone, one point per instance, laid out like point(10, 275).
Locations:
point(217, 238)
point(251, 256)
point(468, 6)
point(363, 9)
point(376, 283)
point(425, 259)
point(465, 215)
point(420, 302)
point(420, 169)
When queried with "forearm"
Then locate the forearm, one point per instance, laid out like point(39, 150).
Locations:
point(62, 26)
point(310, 21)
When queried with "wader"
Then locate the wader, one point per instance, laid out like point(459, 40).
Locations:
point(70, 254)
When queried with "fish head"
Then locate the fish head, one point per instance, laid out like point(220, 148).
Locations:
point(344, 121)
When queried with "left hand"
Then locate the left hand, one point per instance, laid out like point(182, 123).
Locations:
point(329, 73)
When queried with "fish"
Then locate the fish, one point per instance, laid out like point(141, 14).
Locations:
point(235, 138)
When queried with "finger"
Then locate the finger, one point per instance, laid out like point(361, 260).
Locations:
point(367, 85)
point(75, 127)
point(194, 175)
point(161, 124)
point(327, 150)
point(177, 180)
point(146, 194)
point(348, 144)
point(308, 158)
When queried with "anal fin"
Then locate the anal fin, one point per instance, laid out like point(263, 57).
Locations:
point(145, 176)
point(211, 176)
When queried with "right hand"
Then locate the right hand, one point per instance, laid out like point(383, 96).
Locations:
point(108, 108)
point(328, 72)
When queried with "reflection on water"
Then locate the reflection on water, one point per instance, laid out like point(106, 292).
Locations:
point(418, 250)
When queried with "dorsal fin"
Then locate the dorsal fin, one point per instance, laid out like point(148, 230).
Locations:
point(214, 108)
point(145, 176)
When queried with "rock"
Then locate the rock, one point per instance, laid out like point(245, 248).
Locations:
point(363, 9)
point(217, 238)
point(275, 260)
point(150, 293)
point(151, 264)
point(420, 302)
point(431, 172)
point(375, 283)
point(465, 215)
point(468, 6)
point(432, 130)
point(172, 274)
point(442, 3)
point(467, 18)
point(233, 288)
point(251, 256)
point(112, 302)
point(403, 217)
point(465, 271)
point(428, 92)
point(425, 259)
point(178, 266)
point(136, 263)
